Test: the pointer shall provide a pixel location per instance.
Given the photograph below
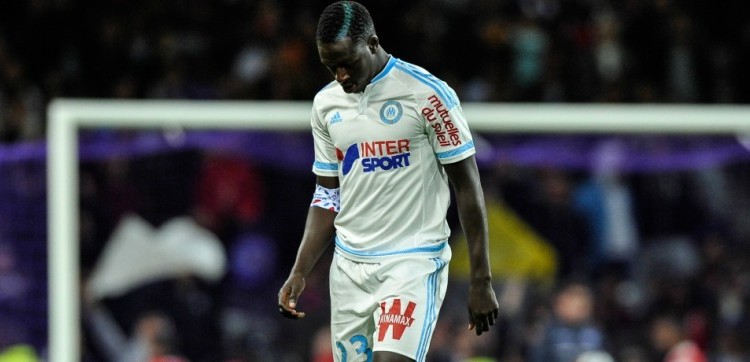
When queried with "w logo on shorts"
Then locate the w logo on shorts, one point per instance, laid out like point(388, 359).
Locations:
point(394, 318)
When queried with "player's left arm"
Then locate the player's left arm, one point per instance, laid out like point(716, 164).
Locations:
point(482, 303)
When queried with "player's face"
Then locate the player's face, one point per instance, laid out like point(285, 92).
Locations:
point(352, 65)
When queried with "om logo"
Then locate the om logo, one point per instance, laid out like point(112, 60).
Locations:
point(391, 112)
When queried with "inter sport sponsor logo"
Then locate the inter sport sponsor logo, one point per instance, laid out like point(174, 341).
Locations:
point(375, 155)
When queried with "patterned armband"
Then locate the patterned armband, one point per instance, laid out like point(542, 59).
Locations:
point(326, 198)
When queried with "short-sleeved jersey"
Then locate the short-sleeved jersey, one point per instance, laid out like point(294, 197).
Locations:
point(387, 146)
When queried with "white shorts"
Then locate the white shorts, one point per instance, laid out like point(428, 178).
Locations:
point(386, 305)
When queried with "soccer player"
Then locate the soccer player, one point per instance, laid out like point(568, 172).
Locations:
point(389, 136)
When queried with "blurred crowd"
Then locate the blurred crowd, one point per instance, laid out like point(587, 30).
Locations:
point(488, 50)
point(590, 265)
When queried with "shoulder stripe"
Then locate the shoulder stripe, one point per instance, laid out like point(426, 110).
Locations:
point(430, 80)
point(457, 151)
point(388, 66)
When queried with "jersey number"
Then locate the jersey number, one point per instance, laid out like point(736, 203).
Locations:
point(359, 340)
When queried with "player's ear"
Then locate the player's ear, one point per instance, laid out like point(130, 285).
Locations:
point(372, 43)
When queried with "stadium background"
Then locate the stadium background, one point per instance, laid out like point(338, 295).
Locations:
point(685, 220)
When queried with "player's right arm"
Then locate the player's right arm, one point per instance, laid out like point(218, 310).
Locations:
point(319, 231)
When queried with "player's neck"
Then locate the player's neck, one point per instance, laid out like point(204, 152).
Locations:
point(381, 59)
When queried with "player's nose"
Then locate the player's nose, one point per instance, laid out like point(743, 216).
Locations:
point(341, 75)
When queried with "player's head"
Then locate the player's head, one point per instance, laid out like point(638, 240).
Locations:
point(348, 46)
point(345, 19)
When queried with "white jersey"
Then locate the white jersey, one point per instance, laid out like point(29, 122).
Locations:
point(386, 145)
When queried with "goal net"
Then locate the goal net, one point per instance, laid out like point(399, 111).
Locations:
point(195, 209)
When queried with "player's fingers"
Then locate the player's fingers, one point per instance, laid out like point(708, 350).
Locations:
point(480, 322)
point(492, 317)
point(287, 313)
point(483, 323)
point(294, 296)
point(476, 321)
point(283, 298)
point(290, 313)
point(285, 303)
point(487, 322)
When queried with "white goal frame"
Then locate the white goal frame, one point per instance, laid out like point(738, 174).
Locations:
point(67, 116)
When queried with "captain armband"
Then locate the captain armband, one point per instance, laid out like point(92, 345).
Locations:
point(326, 198)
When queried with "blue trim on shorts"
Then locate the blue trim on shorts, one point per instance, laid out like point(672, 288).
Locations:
point(420, 249)
point(430, 312)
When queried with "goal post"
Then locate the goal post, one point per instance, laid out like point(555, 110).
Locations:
point(67, 116)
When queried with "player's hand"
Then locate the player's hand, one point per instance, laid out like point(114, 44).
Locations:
point(288, 296)
point(483, 306)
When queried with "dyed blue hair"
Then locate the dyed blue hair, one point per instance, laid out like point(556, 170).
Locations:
point(344, 19)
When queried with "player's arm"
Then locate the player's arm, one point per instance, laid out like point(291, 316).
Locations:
point(319, 231)
point(482, 303)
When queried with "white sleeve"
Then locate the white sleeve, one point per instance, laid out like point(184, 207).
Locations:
point(326, 163)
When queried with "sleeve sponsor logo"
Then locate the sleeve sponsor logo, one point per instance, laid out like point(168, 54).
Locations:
point(439, 119)
point(375, 155)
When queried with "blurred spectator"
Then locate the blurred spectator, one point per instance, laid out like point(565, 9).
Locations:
point(154, 338)
point(525, 255)
point(689, 229)
point(610, 57)
point(606, 203)
point(21, 117)
point(525, 50)
point(13, 284)
point(668, 338)
point(683, 67)
point(453, 342)
point(552, 214)
point(530, 45)
point(733, 346)
point(176, 267)
point(572, 331)
point(322, 347)
point(14, 288)
point(595, 356)
point(230, 195)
